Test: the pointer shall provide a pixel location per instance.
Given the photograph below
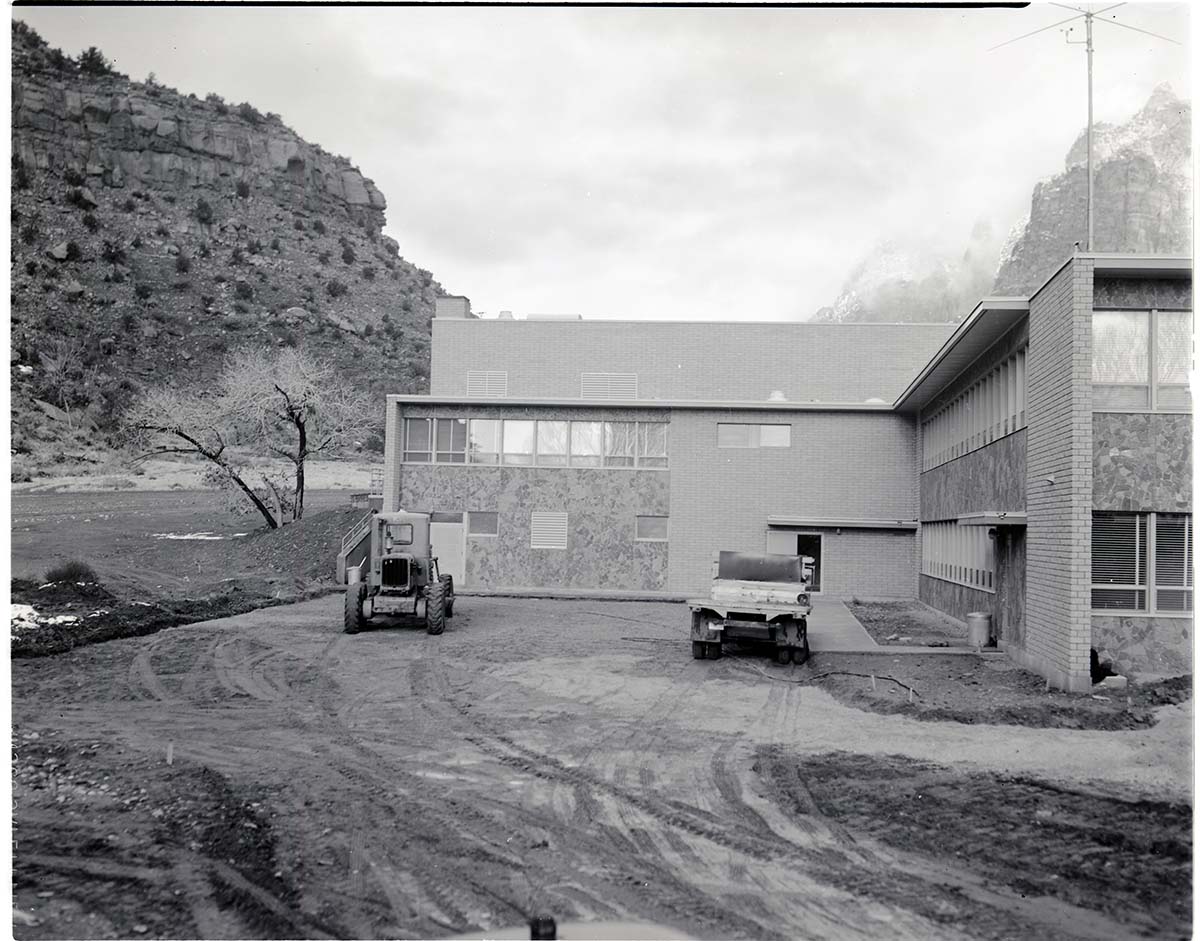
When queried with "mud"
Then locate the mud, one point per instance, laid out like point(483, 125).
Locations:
point(559, 757)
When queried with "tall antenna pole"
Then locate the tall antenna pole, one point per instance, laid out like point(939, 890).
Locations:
point(1088, 16)
point(1091, 232)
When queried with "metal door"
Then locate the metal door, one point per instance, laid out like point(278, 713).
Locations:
point(449, 547)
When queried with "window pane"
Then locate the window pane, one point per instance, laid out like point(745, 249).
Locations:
point(652, 444)
point(1174, 599)
point(1120, 397)
point(518, 442)
point(652, 527)
point(620, 438)
point(484, 441)
point(587, 440)
point(1121, 347)
point(483, 524)
point(1172, 550)
point(1179, 397)
point(1119, 599)
point(736, 436)
point(452, 440)
point(775, 436)
point(416, 438)
point(1116, 547)
point(552, 443)
point(1173, 357)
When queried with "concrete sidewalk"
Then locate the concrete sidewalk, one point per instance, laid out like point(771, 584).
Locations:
point(831, 627)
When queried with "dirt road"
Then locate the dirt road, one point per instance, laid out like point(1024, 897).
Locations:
point(562, 757)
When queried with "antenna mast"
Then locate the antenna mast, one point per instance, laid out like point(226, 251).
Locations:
point(1088, 16)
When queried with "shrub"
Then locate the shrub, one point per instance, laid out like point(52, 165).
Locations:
point(298, 225)
point(143, 291)
point(183, 264)
point(73, 571)
point(74, 177)
point(250, 113)
point(243, 189)
point(220, 278)
point(75, 198)
point(137, 241)
point(275, 244)
point(369, 273)
point(31, 231)
point(129, 205)
point(161, 230)
point(204, 250)
point(319, 227)
point(335, 288)
point(203, 212)
point(214, 99)
point(323, 257)
point(169, 199)
point(112, 253)
point(73, 252)
point(20, 174)
point(118, 276)
point(255, 246)
point(92, 62)
point(244, 291)
point(240, 307)
point(368, 330)
point(238, 257)
point(348, 255)
point(207, 300)
point(128, 321)
point(90, 222)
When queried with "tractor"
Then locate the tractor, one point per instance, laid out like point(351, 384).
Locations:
point(398, 572)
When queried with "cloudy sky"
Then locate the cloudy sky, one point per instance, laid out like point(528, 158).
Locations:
point(642, 163)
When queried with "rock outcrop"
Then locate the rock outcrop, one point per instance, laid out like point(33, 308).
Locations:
point(1142, 193)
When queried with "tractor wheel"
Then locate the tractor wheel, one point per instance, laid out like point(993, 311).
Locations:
point(354, 621)
point(714, 650)
point(698, 649)
point(435, 608)
point(783, 654)
point(448, 581)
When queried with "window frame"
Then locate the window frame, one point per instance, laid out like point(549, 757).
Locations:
point(471, 516)
point(1151, 586)
point(1152, 358)
point(948, 555)
point(429, 440)
point(755, 435)
point(637, 522)
point(438, 453)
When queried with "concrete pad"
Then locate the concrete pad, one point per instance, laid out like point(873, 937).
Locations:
point(831, 627)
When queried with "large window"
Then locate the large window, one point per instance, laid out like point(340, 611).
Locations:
point(1142, 562)
point(1141, 360)
point(555, 443)
point(990, 408)
point(962, 554)
point(743, 435)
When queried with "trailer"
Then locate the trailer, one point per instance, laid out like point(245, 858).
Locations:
point(758, 597)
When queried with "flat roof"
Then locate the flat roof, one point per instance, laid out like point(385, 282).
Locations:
point(819, 522)
point(764, 406)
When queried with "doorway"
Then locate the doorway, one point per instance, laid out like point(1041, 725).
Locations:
point(449, 547)
point(787, 542)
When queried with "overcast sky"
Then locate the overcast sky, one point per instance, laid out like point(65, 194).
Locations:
point(660, 163)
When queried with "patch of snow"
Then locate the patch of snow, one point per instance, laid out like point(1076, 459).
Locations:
point(24, 617)
point(200, 536)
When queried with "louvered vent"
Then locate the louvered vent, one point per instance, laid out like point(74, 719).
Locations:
point(487, 384)
point(548, 531)
point(608, 385)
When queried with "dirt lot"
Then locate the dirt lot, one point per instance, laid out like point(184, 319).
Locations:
point(908, 622)
point(266, 776)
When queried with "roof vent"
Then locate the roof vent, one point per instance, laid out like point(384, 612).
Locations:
point(777, 396)
point(453, 306)
point(505, 315)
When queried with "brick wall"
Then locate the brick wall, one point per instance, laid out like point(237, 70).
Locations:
point(1058, 537)
point(706, 361)
point(841, 465)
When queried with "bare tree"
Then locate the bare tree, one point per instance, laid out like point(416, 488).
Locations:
point(168, 421)
point(294, 407)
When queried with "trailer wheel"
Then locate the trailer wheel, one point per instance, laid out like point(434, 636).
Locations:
point(353, 620)
point(435, 608)
point(698, 649)
point(714, 650)
point(448, 581)
point(783, 654)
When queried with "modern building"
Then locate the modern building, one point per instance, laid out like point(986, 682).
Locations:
point(1033, 461)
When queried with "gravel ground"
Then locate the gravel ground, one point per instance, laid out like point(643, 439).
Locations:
point(268, 776)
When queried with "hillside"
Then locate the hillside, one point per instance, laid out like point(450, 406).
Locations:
point(1142, 191)
point(153, 231)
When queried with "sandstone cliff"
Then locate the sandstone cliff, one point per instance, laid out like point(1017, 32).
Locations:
point(1142, 194)
point(153, 231)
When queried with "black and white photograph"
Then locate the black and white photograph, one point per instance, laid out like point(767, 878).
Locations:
point(601, 471)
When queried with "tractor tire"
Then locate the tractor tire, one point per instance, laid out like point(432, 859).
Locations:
point(435, 608)
point(714, 650)
point(448, 581)
point(353, 622)
point(783, 655)
point(698, 649)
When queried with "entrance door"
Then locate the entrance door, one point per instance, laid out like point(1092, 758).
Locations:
point(786, 542)
point(449, 547)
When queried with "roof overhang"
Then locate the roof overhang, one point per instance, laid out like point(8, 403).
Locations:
point(1117, 265)
point(766, 406)
point(988, 322)
point(992, 518)
point(817, 522)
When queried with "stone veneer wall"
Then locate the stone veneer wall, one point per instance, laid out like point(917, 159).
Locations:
point(1144, 644)
point(1058, 633)
point(1143, 461)
point(991, 478)
point(956, 600)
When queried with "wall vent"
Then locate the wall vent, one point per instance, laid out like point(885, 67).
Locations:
point(548, 531)
point(487, 384)
point(608, 385)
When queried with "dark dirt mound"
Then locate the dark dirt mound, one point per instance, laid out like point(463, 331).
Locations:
point(1132, 859)
point(59, 594)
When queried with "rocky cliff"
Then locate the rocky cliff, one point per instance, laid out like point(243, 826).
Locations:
point(1142, 194)
point(153, 231)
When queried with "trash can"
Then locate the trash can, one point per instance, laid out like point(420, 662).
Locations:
point(979, 629)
